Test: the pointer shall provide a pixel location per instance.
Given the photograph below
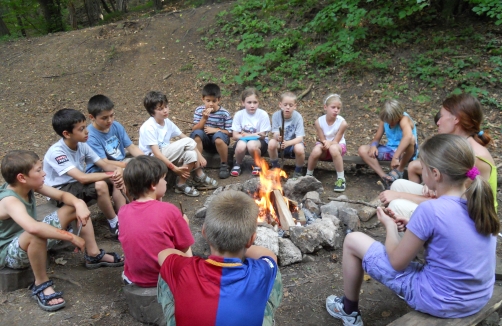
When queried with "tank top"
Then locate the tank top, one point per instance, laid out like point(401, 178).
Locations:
point(394, 135)
point(331, 131)
point(492, 181)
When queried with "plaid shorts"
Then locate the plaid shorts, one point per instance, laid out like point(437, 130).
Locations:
point(17, 258)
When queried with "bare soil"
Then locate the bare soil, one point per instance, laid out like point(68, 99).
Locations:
point(124, 61)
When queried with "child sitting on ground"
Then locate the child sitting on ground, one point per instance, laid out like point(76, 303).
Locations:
point(449, 285)
point(182, 156)
point(147, 225)
point(330, 129)
point(24, 241)
point(108, 138)
point(401, 144)
point(250, 128)
point(212, 126)
point(239, 284)
point(65, 161)
point(292, 144)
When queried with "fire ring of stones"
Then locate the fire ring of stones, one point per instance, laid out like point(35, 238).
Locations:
point(322, 225)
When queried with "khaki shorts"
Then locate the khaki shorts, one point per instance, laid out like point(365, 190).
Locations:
point(17, 258)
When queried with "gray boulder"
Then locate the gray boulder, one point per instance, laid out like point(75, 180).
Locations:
point(348, 216)
point(288, 252)
point(233, 186)
point(312, 206)
point(201, 212)
point(251, 186)
point(297, 189)
point(313, 196)
point(268, 238)
point(328, 232)
point(307, 239)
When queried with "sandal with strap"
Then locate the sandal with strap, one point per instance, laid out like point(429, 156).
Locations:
point(236, 171)
point(95, 262)
point(186, 190)
point(256, 171)
point(392, 176)
point(43, 299)
point(204, 182)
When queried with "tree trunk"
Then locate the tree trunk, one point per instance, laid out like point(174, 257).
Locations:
point(158, 4)
point(21, 25)
point(93, 11)
point(449, 8)
point(73, 16)
point(105, 7)
point(122, 5)
point(52, 15)
point(112, 3)
point(4, 30)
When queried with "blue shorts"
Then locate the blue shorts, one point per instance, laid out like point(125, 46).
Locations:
point(377, 265)
point(208, 140)
point(289, 151)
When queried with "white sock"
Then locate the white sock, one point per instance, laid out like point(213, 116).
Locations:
point(113, 222)
point(310, 172)
point(340, 175)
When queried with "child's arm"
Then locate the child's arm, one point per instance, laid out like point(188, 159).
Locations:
point(17, 211)
point(292, 142)
point(373, 152)
point(181, 171)
point(167, 252)
point(338, 136)
point(407, 128)
point(81, 210)
point(200, 123)
point(134, 150)
point(86, 178)
point(256, 252)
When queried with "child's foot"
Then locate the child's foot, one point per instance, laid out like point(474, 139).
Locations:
point(224, 173)
point(47, 298)
point(334, 306)
point(114, 230)
point(186, 190)
point(296, 175)
point(339, 185)
point(103, 259)
point(256, 171)
point(204, 182)
point(236, 171)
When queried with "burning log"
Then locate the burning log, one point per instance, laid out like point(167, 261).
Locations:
point(285, 217)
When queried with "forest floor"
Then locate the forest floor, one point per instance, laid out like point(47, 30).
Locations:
point(125, 60)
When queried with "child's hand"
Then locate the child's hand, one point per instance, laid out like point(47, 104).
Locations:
point(373, 152)
point(182, 171)
point(279, 138)
point(326, 144)
point(395, 162)
point(202, 161)
point(78, 242)
point(387, 196)
point(426, 192)
point(400, 221)
point(206, 112)
point(285, 144)
point(210, 130)
point(82, 212)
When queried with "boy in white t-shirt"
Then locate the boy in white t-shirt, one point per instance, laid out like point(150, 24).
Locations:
point(250, 128)
point(65, 164)
point(182, 156)
point(330, 129)
point(292, 145)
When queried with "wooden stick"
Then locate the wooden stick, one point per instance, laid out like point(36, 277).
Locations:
point(181, 208)
point(283, 211)
point(282, 135)
point(305, 92)
point(190, 122)
point(360, 202)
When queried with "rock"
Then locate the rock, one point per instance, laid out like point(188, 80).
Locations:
point(200, 246)
point(312, 206)
point(14, 279)
point(143, 305)
point(332, 208)
point(268, 238)
point(348, 216)
point(297, 189)
point(307, 239)
point(233, 186)
point(492, 320)
point(213, 195)
point(328, 232)
point(308, 258)
point(333, 218)
point(314, 196)
point(288, 252)
point(201, 212)
point(251, 186)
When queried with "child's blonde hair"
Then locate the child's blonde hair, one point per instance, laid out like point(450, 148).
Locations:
point(332, 97)
point(288, 94)
point(248, 92)
point(455, 161)
point(392, 111)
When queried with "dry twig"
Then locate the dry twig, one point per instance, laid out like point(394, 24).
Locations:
point(360, 202)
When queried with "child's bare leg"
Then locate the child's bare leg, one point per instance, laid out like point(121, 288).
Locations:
point(406, 157)
point(221, 148)
point(190, 167)
point(240, 151)
point(314, 157)
point(273, 148)
point(415, 171)
point(355, 246)
point(336, 153)
point(199, 143)
point(118, 198)
point(104, 201)
point(254, 148)
point(372, 162)
point(299, 150)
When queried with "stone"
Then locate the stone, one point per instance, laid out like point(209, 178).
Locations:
point(349, 217)
point(251, 186)
point(14, 279)
point(307, 239)
point(268, 238)
point(212, 196)
point(308, 258)
point(201, 212)
point(312, 206)
point(288, 252)
point(143, 305)
point(233, 186)
point(328, 232)
point(492, 320)
point(297, 189)
point(200, 247)
point(333, 218)
point(314, 196)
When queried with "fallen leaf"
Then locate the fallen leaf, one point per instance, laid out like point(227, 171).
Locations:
point(367, 277)
point(385, 313)
point(60, 261)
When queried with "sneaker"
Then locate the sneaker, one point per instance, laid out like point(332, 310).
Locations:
point(224, 173)
point(295, 175)
point(114, 230)
point(334, 306)
point(204, 182)
point(236, 171)
point(256, 171)
point(339, 185)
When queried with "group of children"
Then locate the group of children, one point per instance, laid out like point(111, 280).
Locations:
point(239, 281)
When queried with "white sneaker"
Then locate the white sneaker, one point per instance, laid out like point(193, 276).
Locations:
point(334, 306)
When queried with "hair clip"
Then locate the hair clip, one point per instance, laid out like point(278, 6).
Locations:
point(472, 173)
point(330, 96)
point(481, 133)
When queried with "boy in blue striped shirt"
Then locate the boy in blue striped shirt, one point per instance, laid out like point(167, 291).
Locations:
point(212, 126)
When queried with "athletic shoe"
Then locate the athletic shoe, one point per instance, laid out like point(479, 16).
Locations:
point(224, 173)
point(295, 175)
point(114, 231)
point(339, 185)
point(334, 306)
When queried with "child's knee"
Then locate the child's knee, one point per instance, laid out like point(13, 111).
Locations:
point(362, 150)
point(299, 149)
point(335, 150)
point(102, 188)
point(273, 145)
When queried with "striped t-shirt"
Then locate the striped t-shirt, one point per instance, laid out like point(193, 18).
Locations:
point(219, 119)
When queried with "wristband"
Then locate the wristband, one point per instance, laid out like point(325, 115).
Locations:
point(375, 143)
point(170, 166)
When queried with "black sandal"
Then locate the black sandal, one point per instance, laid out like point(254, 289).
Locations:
point(95, 262)
point(43, 300)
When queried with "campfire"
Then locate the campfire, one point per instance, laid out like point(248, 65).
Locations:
point(275, 209)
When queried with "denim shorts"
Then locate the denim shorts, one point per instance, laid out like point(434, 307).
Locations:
point(289, 151)
point(208, 141)
point(376, 264)
point(17, 258)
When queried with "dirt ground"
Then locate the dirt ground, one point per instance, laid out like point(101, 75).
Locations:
point(124, 61)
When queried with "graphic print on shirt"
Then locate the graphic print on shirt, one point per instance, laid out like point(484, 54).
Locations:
point(112, 148)
point(249, 129)
point(289, 132)
point(61, 159)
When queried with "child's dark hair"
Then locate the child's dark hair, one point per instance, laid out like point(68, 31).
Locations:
point(248, 92)
point(228, 227)
point(211, 90)
point(141, 173)
point(18, 161)
point(454, 163)
point(98, 104)
point(65, 120)
point(437, 117)
point(154, 100)
point(468, 111)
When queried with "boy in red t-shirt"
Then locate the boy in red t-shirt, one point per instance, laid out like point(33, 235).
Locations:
point(147, 225)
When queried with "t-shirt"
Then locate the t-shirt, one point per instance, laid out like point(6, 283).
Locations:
point(151, 133)
point(251, 123)
point(330, 131)
point(394, 135)
point(110, 145)
point(293, 127)
point(220, 119)
point(145, 229)
point(60, 159)
point(230, 292)
point(9, 229)
point(459, 272)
